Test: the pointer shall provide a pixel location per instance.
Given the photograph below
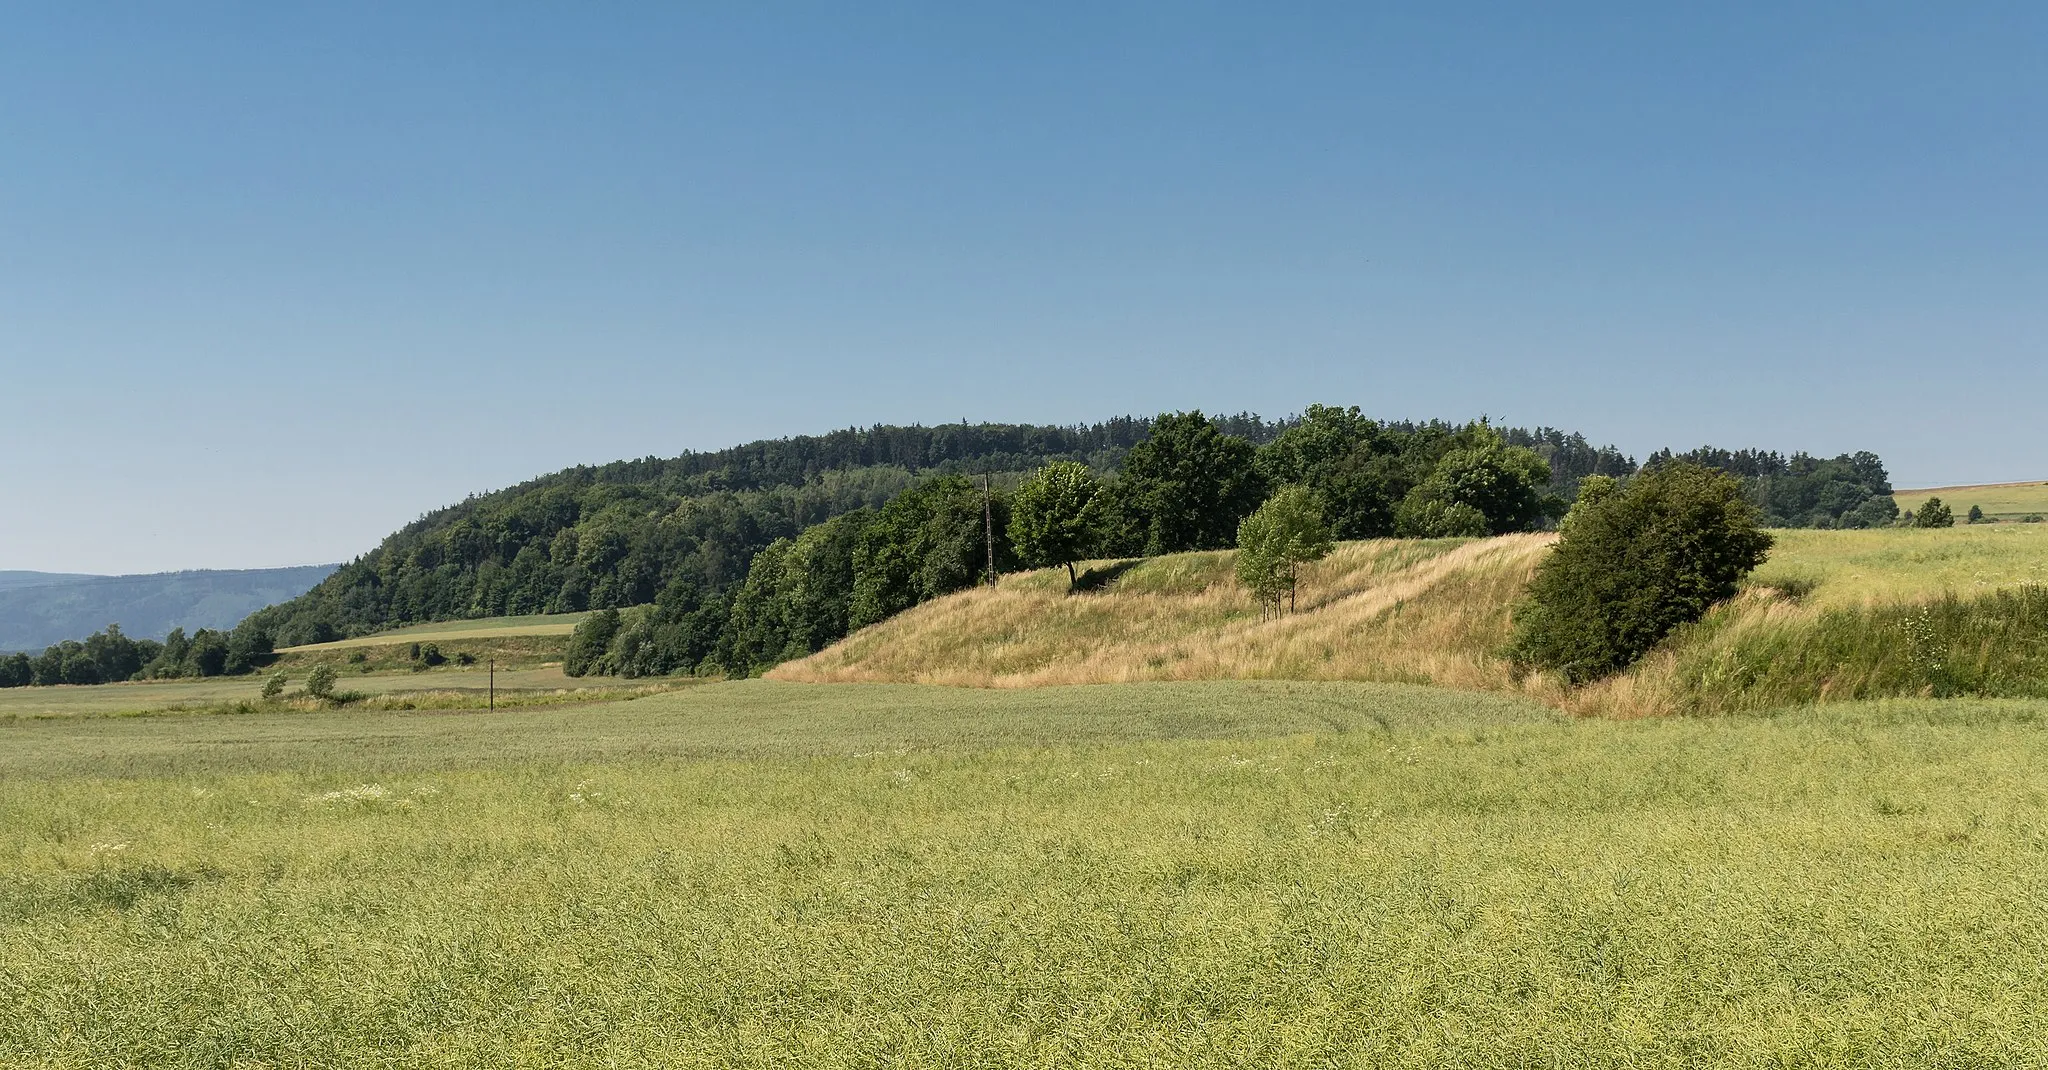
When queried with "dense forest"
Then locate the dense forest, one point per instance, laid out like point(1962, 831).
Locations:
point(731, 561)
point(1801, 491)
point(621, 534)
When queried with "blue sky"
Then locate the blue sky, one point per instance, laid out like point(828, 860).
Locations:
point(273, 283)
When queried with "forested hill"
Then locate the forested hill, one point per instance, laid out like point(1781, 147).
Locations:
point(619, 534)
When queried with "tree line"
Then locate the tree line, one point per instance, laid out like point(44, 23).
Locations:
point(622, 534)
point(109, 656)
point(737, 559)
point(1189, 485)
point(1802, 491)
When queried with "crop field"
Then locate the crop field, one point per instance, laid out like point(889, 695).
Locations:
point(170, 695)
point(442, 631)
point(1222, 874)
point(2000, 501)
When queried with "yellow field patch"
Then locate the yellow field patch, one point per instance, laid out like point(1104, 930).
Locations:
point(444, 631)
point(2000, 501)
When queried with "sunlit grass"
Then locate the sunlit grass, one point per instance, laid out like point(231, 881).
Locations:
point(2005, 501)
point(1911, 564)
point(1177, 874)
point(1441, 613)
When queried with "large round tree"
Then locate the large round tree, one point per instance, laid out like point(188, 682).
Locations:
point(1635, 563)
point(1054, 516)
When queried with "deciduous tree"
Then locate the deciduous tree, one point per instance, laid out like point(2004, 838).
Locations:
point(1635, 564)
point(1277, 539)
point(1056, 516)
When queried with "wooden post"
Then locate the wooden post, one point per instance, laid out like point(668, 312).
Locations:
point(988, 522)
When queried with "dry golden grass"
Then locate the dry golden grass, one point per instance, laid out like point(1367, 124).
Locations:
point(1432, 612)
point(1389, 610)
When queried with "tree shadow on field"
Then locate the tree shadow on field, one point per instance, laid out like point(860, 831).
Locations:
point(1095, 579)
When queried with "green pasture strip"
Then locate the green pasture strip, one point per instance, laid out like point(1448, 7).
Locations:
point(488, 627)
point(2004, 501)
point(508, 651)
point(1848, 568)
point(1271, 875)
point(730, 720)
point(152, 696)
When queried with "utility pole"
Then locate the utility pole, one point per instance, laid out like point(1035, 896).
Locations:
point(988, 523)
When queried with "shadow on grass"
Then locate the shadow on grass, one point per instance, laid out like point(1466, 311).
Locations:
point(1095, 579)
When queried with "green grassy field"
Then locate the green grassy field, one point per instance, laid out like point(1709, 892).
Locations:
point(1850, 568)
point(154, 695)
point(487, 628)
point(1225, 874)
point(2000, 501)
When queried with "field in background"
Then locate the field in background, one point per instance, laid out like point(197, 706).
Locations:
point(1272, 874)
point(488, 628)
point(2000, 501)
point(447, 687)
point(1840, 569)
point(1441, 612)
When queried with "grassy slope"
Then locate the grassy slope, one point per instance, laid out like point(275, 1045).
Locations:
point(1180, 874)
point(1380, 610)
point(1396, 611)
point(2000, 501)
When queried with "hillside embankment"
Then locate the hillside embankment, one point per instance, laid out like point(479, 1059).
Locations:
point(1833, 615)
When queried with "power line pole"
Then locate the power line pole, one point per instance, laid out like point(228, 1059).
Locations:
point(988, 523)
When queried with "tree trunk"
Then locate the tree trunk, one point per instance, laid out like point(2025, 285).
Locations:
point(1073, 582)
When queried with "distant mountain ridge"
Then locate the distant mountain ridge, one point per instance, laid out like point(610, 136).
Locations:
point(41, 608)
point(15, 579)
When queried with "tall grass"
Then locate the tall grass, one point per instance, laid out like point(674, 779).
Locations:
point(1387, 610)
point(1833, 615)
point(933, 877)
point(1990, 644)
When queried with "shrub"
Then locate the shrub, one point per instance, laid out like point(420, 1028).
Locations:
point(1976, 514)
point(430, 655)
point(589, 643)
point(1933, 514)
point(1437, 519)
point(274, 686)
point(320, 682)
point(1634, 565)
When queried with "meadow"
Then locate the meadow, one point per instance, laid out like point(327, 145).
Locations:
point(537, 624)
point(1864, 614)
point(2000, 501)
point(1231, 873)
point(449, 687)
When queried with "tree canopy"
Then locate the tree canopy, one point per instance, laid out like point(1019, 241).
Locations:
point(1056, 516)
point(1635, 563)
point(1277, 539)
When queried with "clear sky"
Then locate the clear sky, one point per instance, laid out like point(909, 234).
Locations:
point(273, 283)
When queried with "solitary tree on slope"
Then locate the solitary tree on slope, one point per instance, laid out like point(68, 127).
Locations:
point(1277, 539)
point(1055, 516)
